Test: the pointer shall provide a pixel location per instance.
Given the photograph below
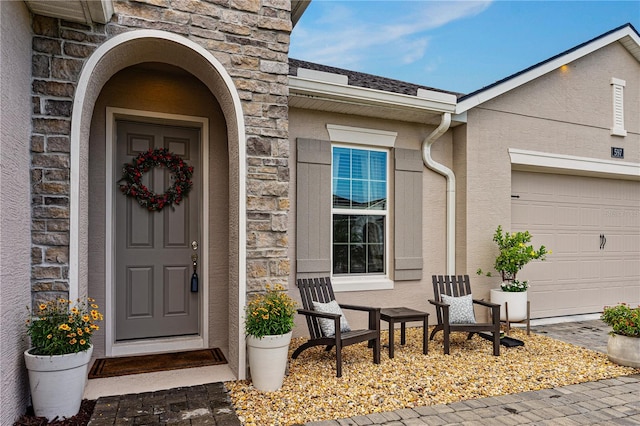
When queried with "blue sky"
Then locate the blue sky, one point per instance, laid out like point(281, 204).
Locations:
point(459, 46)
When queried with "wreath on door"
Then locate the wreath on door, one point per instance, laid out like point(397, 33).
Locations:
point(132, 174)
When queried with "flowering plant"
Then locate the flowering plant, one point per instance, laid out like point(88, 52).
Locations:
point(57, 328)
point(514, 253)
point(514, 286)
point(132, 176)
point(270, 313)
point(623, 319)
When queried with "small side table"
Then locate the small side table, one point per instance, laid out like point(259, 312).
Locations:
point(402, 316)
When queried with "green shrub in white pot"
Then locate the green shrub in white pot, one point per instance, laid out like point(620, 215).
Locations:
point(623, 346)
point(514, 252)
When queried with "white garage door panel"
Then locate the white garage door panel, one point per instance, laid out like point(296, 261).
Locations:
point(568, 214)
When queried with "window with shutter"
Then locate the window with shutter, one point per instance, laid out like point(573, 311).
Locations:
point(343, 209)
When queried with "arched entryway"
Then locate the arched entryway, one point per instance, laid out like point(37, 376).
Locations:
point(165, 81)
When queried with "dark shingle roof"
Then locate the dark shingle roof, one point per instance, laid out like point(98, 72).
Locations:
point(368, 81)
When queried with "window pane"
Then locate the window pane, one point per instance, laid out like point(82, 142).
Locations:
point(357, 261)
point(360, 194)
point(378, 165)
point(359, 164)
point(378, 191)
point(375, 258)
point(342, 193)
point(340, 259)
point(361, 249)
point(340, 228)
point(342, 163)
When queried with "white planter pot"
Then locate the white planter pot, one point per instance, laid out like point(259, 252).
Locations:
point(517, 304)
point(268, 360)
point(624, 350)
point(57, 382)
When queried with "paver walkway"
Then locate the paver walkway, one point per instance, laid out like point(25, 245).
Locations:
point(605, 402)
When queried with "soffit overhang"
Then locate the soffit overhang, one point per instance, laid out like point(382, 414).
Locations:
point(297, 9)
point(344, 99)
point(85, 11)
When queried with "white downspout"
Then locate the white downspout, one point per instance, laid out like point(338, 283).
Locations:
point(451, 188)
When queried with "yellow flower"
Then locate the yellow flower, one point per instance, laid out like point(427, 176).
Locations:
point(74, 310)
point(73, 341)
point(79, 332)
point(94, 327)
point(85, 318)
point(87, 330)
point(49, 336)
point(82, 341)
point(64, 327)
point(43, 306)
point(94, 306)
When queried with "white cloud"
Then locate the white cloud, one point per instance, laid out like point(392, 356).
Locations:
point(347, 33)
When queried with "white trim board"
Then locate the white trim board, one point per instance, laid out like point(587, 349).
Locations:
point(569, 164)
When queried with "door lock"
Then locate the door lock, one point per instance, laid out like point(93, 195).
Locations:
point(194, 260)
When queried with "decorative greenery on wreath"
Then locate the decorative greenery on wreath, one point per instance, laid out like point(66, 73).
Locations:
point(132, 173)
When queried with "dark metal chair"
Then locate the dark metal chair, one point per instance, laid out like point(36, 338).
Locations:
point(320, 290)
point(457, 286)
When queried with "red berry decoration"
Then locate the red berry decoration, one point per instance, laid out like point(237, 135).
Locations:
point(181, 174)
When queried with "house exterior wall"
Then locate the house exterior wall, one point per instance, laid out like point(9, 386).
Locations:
point(312, 125)
point(567, 112)
point(15, 240)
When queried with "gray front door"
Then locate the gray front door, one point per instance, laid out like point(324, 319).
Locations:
point(153, 248)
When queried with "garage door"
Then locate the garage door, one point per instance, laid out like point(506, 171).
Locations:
point(592, 225)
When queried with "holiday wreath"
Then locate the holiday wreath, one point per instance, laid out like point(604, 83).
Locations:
point(132, 173)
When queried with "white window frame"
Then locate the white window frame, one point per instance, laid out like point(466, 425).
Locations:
point(373, 140)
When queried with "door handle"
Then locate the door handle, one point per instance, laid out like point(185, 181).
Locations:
point(194, 260)
point(603, 241)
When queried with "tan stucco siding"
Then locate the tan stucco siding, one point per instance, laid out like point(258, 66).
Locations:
point(15, 202)
point(566, 112)
point(570, 110)
point(414, 294)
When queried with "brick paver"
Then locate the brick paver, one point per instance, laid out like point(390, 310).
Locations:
point(607, 402)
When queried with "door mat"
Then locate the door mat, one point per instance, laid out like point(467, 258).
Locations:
point(122, 366)
point(504, 341)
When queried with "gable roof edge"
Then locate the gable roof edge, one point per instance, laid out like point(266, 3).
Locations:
point(625, 34)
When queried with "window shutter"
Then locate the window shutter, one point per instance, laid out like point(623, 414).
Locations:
point(313, 207)
point(408, 215)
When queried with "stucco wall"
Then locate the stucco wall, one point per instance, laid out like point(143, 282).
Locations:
point(15, 191)
point(414, 294)
point(568, 111)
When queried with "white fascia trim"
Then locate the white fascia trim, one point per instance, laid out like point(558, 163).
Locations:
point(577, 165)
point(361, 136)
point(361, 95)
point(512, 83)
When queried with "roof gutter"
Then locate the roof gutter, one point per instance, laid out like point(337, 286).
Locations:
point(430, 163)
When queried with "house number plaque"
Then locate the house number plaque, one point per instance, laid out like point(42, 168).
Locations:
point(617, 152)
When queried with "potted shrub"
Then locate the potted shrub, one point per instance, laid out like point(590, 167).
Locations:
point(268, 325)
point(623, 346)
point(59, 357)
point(514, 252)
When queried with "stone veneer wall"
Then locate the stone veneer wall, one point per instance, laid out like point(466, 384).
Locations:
point(249, 37)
